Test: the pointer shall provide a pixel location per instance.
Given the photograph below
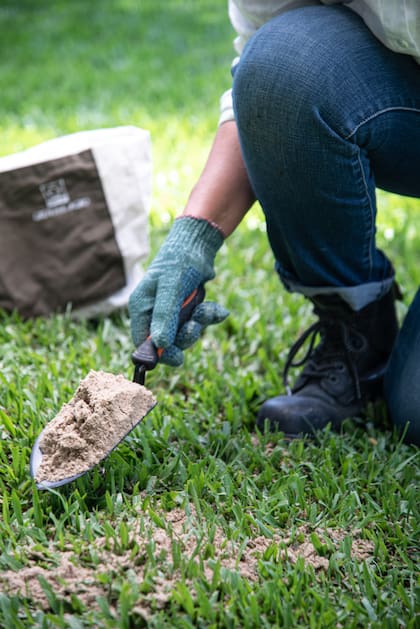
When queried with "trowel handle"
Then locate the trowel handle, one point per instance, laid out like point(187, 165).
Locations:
point(147, 355)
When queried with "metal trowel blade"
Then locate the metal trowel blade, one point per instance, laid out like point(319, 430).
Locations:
point(36, 460)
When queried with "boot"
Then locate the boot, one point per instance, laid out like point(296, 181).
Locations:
point(341, 374)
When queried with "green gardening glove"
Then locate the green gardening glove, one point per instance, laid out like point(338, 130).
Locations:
point(184, 261)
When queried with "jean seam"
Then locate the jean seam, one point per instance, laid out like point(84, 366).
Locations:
point(371, 231)
point(378, 113)
point(371, 205)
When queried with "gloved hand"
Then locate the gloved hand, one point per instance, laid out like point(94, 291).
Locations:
point(184, 261)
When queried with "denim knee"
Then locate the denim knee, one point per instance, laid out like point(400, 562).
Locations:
point(268, 86)
point(289, 74)
point(287, 79)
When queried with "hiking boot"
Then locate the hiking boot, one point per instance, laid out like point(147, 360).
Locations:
point(341, 374)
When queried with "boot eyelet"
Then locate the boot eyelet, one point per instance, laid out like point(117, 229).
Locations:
point(358, 344)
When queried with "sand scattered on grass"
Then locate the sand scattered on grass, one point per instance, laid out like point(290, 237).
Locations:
point(68, 576)
point(103, 410)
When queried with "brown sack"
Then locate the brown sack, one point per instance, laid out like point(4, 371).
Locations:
point(57, 236)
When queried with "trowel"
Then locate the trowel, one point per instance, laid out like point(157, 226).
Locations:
point(145, 358)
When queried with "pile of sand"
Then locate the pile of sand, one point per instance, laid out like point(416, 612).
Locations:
point(103, 410)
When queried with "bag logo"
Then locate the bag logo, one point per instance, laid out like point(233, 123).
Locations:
point(57, 200)
point(55, 193)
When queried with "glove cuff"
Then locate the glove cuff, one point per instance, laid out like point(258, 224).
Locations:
point(194, 232)
point(202, 218)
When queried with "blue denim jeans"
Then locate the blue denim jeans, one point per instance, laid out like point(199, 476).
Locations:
point(326, 113)
point(402, 380)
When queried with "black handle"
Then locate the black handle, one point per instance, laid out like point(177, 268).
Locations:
point(146, 356)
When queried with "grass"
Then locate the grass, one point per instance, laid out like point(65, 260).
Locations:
point(323, 533)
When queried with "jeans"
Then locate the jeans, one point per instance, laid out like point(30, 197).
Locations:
point(402, 380)
point(325, 114)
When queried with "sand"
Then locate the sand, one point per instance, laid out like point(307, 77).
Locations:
point(103, 410)
point(70, 573)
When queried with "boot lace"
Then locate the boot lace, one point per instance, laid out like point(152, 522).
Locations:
point(338, 347)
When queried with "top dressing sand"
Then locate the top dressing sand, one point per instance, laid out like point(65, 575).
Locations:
point(103, 410)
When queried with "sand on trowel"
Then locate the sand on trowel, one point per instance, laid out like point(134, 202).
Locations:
point(103, 410)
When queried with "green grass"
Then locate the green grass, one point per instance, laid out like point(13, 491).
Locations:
point(252, 504)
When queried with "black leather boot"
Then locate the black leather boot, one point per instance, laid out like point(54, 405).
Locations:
point(341, 374)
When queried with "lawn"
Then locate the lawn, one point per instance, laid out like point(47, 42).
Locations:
point(195, 520)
